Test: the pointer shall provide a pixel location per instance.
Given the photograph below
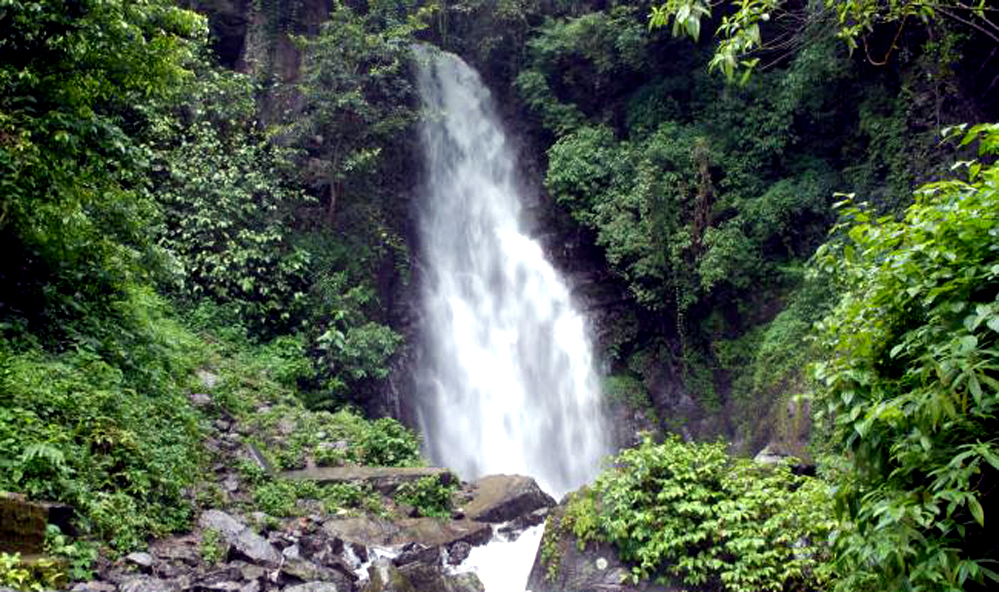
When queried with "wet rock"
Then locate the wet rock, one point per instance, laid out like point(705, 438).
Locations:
point(522, 523)
point(223, 586)
point(500, 498)
point(418, 577)
point(22, 525)
point(316, 587)
point(458, 552)
point(147, 584)
point(143, 560)
point(417, 552)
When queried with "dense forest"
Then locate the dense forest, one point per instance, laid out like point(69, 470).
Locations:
point(782, 216)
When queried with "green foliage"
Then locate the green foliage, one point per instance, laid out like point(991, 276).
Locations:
point(353, 349)
point(105, 427)
point(228, 208)
point(76, 80)
point(280, 497)
point(908, 381)
point(430, 496)
point(292, 435)
point(690, 511)
point(40, 574)
point(627, 389)
point(212, 547)
point(852, 21)
point(357, 96)
point(79, 556)
point(277, 498)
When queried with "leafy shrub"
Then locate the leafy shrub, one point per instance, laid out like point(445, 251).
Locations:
point(80, 556)
point(228, 209)
point(43, 574)
point(105, 427)
point(277, 498)
point(430, 496)
point(909, 382)
point(692, 512)
point(340, 438)
point(212, 546)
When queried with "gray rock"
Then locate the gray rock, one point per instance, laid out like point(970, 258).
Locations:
point(250, 572)
point(291, 552)
point(183, 553)
point(147, 584)
point(458, 552)
point(255, 548)
point(286, 426)
point(306, 571)
point(94, 587)
point(386, 577)
point(316, 587)
point(231, 484)
point(596, 567)
point(244, 541)
point(376, 532)
point(253, 586)
point(143, 560)
point(200, 399)
point(219, 521)
point(499, 498)
point(208, 379)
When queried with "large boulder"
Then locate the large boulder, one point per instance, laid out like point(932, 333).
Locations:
point(432, 532)
point(384, 576)
point(500, 498)
point(560, 565)
point(243, 541)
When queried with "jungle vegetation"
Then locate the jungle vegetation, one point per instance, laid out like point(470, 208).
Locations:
point(797, 200)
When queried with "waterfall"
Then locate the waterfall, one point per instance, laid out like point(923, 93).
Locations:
point(506, 383)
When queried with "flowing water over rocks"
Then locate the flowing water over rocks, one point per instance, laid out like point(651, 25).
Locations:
point(507, 383)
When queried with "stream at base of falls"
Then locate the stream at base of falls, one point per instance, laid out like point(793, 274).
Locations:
point(506, 380)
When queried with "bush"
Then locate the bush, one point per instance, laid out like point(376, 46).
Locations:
point(105, 427)
point(691, 511)
point(430, 496)
point(909, 382)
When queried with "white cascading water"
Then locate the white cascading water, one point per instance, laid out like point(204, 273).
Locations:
point(506, 383)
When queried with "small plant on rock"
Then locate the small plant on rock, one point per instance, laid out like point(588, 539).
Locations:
point(430, 496)
point(213, 546)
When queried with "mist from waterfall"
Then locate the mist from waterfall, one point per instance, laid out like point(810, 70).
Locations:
point(506, 380)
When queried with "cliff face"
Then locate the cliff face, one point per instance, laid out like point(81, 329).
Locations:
point(256, 37)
